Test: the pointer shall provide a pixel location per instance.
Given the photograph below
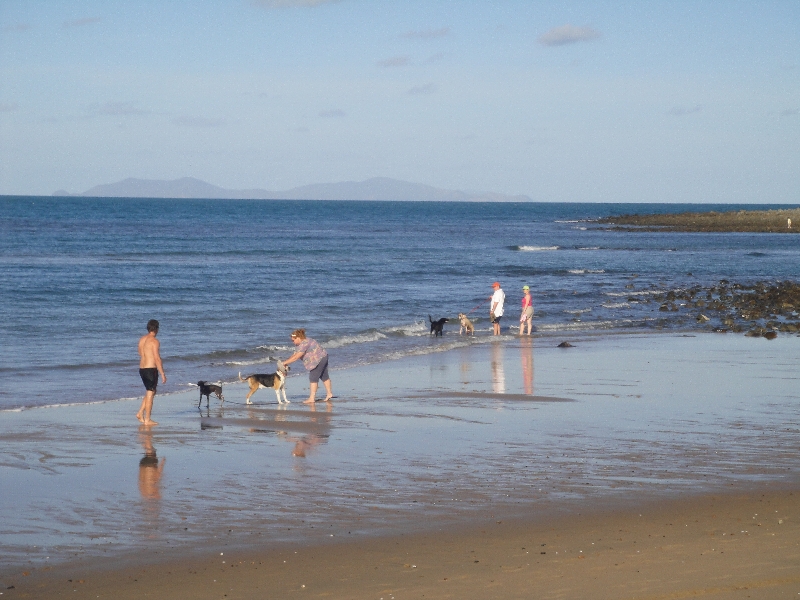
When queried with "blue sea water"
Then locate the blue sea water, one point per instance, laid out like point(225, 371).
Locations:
point(230, 279)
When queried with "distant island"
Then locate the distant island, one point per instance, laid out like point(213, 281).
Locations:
point(377, 188)
point(755, 221)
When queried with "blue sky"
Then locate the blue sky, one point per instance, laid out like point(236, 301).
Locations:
point(561, 101)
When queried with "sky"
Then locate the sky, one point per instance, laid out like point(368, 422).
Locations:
point(673, 101)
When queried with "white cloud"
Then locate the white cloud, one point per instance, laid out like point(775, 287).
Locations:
point(427, 34)
point(184, 121)
point(395, 61)
point(427, 88)
point(291, 3)
point(82, 22)
point(568, 34)
point(680, 111)
point(336, 112)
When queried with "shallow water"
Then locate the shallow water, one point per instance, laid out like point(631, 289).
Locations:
point(516, 428)
point(230, 279)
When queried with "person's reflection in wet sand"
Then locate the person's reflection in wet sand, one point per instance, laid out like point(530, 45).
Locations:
point(303, 445)
point(150, 471)
point(498, 372)
point(466, 367)
point(526, 356)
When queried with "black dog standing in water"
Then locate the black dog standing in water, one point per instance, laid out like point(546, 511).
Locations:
point(437, 326)
point(206, 389)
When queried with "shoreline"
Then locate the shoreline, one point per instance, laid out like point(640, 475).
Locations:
point(576, 332)
point(425, 445)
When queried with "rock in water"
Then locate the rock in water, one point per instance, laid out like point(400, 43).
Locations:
point(565, 345)
point(770, 335)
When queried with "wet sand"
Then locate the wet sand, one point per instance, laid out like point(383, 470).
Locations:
point(737, 546)
point(415, 464)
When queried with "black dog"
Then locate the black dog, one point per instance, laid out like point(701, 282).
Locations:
point(437, 326)
point(206, 389)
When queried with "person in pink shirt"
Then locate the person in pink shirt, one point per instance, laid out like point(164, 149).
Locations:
point(315, 360)
point(526, 318)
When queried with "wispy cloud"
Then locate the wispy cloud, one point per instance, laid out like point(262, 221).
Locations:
point(395, 61)
point(82, 22)
point(17, 27)
point(6, 107)
point(116, 109)
point(433, 58)
point(427, 88)
point(291, 3)
point(332, 114)
point(568, 34)
point(789, 112)
point(203, 122)
point(680, 111)
point(426, 34)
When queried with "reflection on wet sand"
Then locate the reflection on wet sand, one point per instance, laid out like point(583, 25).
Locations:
point(306, 443)
point(526, 356)
point(150, 471)
point(498, 372)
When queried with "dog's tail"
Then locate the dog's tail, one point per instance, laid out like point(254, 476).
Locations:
point(430, 318)
point(240, 377)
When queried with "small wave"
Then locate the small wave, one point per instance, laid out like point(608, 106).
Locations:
point(590, 325)
point(347, 340)
point(276, 348)
point(249, 363)
point(632, 293)
point(584, 271)
point(65, 404)
point(616, 305)
point(590, 248)
point(756, 254)
point(415, 329)
point(578, 311)
point(573, 221)
point(534, 248)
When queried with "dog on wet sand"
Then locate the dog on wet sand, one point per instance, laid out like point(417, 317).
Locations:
point(206, 389)
point(276, 381)
point(466, 325)
point(437, 326)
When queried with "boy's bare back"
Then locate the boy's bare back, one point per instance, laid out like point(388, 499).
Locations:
point(149, 352)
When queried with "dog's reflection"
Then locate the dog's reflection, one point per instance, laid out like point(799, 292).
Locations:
point(150, 470)
point(219, 412)
point(526, 356)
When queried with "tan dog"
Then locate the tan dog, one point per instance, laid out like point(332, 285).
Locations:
point(276, 381)
point(466, 325)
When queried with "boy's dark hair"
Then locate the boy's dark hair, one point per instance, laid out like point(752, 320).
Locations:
point(152, 325)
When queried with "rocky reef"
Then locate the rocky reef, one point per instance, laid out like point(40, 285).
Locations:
point(756, 221)
point(761, 309)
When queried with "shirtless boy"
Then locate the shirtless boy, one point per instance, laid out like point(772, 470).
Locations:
point(149, 368)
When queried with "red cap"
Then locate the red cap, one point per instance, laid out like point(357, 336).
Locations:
point(496, 284)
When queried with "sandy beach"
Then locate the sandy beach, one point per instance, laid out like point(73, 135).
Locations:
point(661, 466)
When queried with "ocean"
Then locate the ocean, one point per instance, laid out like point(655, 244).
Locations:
point(230, 279)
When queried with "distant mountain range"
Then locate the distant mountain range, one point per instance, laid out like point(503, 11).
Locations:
point(377, 188)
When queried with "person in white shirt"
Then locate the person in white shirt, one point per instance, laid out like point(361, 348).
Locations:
point(496, 310)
